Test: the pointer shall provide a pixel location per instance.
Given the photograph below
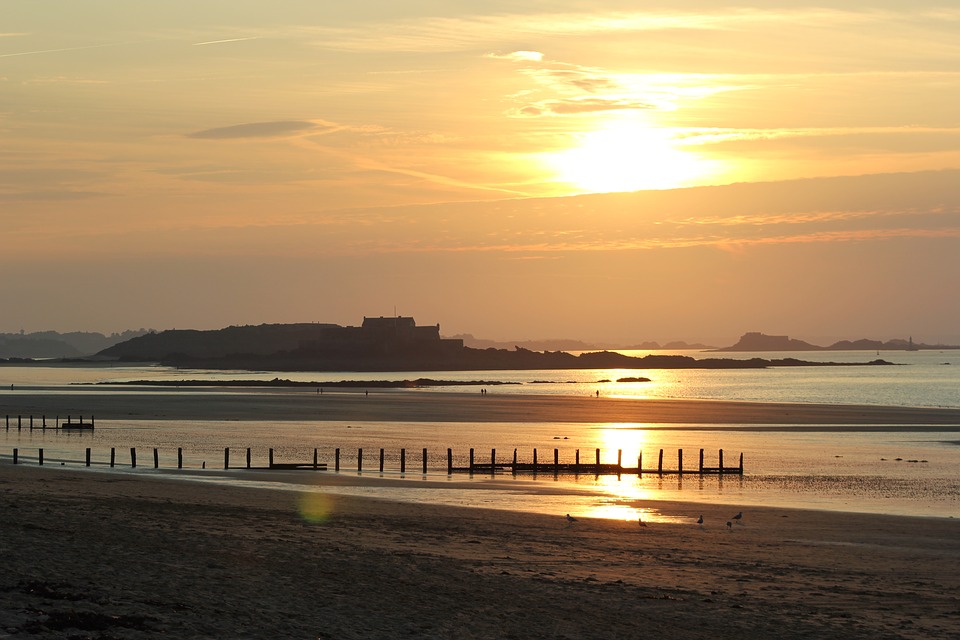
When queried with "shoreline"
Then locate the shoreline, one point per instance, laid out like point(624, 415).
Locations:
point(135, 556)
point(435, 406)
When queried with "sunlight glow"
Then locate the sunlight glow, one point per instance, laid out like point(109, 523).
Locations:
point(628, 155)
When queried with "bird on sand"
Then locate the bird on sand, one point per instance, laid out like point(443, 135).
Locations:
point(570, 518)
point(738, 517)
point(641, 522)
point(729, 525)
point(700, 520)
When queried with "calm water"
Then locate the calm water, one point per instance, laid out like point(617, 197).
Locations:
point(785, 465)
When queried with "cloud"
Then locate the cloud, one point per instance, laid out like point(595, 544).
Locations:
point(49, 196)
point(479, 31)
point(518, 56)
point(275, 129)
point(577, 106)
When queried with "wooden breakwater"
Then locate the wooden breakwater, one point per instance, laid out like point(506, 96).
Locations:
point(596, 467)
point(315, 465)
point(494, 466)
point(70, 423)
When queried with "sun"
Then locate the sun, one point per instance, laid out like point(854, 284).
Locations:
point(627, 155)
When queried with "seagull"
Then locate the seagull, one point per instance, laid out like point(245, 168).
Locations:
point(700, 520)
point(738, 517)
point(570, 518)
point(729, 525)
point(641, 522)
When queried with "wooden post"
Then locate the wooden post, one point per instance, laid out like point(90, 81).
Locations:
point(471, 461)
point(113, 456)
point(270, 459)
point(721, 461)
point(640, 463)
point(226, 458)
point(741, 463)
point(40, 452)
point(701, 461)
point(336, 460)
point(249, 457)
point(514, 462)
point(381, 460)
point(576, 463)
point(8, 422)
point(449, 461)
point(31, 423)
point(133, 457)
point(88, 456)
point(359, 460)
point(493, 461)
point(180, 457)
point(156, 458)
point(93, 422)
point(16, 453)
point(19, 423)
point(597, 468)
point(424, 460)
point(556, 461)
point(315, 465)
point(534, 460)
point(44, 418)
point(403, 460)
point(660, 463)
point(680, 461)
point(619, 459)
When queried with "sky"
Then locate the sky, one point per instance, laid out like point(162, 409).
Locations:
point(609, 171)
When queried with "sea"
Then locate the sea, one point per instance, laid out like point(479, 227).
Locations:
point(911, 470)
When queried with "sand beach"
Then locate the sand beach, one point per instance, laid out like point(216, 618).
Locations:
point(224, 403)
point(139, 554)
point(102, 555)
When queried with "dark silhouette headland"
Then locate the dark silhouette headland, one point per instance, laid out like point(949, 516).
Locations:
point(381, 344)
point(755, 341)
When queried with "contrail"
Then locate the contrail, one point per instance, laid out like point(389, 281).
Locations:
point(201, 44)
point(32, 53)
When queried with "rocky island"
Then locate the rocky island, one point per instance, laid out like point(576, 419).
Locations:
point(382, 344)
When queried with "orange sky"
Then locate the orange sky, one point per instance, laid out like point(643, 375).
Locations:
point(205, 164)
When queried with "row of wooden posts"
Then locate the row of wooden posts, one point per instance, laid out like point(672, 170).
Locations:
point(69, 424)
point(492, 468)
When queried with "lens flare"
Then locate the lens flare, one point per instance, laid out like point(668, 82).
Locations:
point(315, 507)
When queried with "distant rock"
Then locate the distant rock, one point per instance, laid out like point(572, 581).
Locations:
point(51, 344)
point(756, 341)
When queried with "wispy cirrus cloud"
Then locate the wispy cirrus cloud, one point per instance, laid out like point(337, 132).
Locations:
point(272, 129)
point(471, 32)
point(577, 106)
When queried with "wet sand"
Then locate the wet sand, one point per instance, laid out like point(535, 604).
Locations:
point(111, 555)
point(433, 406)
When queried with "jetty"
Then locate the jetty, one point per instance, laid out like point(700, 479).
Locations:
point(70, 423)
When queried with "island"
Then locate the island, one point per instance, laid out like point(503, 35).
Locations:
point(385, 344)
